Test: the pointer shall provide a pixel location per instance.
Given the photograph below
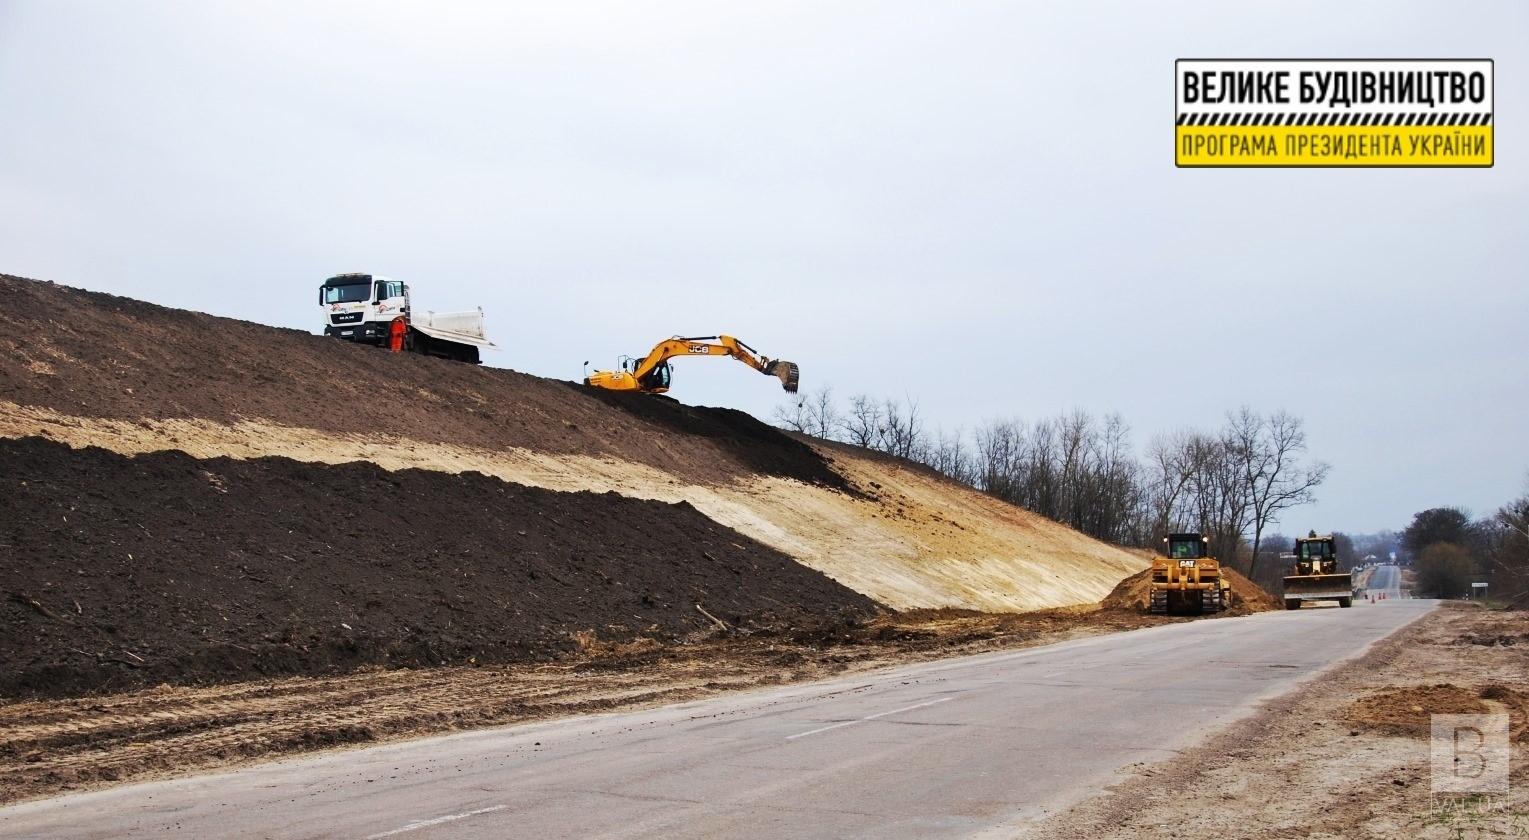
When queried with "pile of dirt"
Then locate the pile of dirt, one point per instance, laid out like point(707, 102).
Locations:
point(1408, 710)
point(1247, 596)
point(133, 377)
point(1129, 594)
point(763, 448)
point(126, 571)
point(119, 358)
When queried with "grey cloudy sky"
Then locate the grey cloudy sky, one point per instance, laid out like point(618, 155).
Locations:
point(973, 204)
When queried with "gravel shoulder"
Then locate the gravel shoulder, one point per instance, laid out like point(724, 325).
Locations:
point(1345, 756)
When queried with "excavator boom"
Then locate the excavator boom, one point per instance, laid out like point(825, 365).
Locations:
point(651, 373)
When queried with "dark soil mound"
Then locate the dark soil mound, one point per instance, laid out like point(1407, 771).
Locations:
point(1247, 596)
point(99, 355)
point(127, 571)
point(760, 446)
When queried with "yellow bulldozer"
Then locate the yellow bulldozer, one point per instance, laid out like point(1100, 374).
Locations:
point(1316, 575)
point(651, 374)
point(1187, 580)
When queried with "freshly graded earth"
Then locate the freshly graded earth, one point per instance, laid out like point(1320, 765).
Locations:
point(215, 555)
point(134, 378)
point(125, 571)
point(124, 359)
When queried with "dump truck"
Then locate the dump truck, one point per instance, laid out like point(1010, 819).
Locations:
point(372, 309)
point(1187, 580)
point(1316, 576)
point(651, 373)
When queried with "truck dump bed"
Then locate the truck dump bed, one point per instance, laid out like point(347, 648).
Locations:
point(461, 327)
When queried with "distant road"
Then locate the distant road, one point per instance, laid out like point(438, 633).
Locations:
point(1385, 580)
point(954, 748)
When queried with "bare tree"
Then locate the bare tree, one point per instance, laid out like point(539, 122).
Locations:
point(862, 425)
point(794, 416)
point(902, 429)
point(999, 447)
point(1267, 452)
point(823, 418)
point(1509, 558)
point(1170, 469)
point(948, 455)
point(1079, 469)
point(1216, 504)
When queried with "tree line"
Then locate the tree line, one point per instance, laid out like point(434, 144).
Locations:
point(1449, 550)
point(1230, 483)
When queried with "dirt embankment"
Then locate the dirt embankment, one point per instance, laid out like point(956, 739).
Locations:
point(127, 571)
point(88, 354)
point(133, 377)
point(1345, 756)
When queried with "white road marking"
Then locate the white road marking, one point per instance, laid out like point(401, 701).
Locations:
point(418, 824)
point(864, 719)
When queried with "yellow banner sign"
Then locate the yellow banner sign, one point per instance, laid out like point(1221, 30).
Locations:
point(1298, 112)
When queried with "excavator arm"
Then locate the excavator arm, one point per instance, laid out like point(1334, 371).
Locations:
point(650, 374)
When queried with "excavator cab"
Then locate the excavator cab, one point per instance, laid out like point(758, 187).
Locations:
point(657, 379)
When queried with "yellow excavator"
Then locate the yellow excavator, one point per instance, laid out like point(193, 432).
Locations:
point(651, 374)
point(1188, 579)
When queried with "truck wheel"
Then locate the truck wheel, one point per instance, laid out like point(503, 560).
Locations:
point(1345, 602)
point(1292, 603)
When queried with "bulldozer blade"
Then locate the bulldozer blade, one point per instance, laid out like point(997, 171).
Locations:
point(788, 372)
point(1318, 587)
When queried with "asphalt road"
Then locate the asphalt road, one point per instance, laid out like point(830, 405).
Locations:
point(1385, 580)
point(978, 746)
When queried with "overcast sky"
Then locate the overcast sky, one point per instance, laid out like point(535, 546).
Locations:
point(972, 204)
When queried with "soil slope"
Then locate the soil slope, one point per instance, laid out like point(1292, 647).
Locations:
point(124, 359)
point(125, 571)
point(133, 378)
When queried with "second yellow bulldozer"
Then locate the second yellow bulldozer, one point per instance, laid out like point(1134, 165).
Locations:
point(1188, 580)
point(1316, 575)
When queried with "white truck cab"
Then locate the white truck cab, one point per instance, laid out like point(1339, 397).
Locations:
point(362, 307)
point(365, 307)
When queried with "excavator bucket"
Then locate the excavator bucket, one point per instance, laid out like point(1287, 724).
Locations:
point(788, 372)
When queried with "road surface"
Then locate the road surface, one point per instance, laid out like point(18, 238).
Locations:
point(977, 746)
point(1385, 581)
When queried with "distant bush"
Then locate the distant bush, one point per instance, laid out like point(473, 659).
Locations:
point(1444, 571)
